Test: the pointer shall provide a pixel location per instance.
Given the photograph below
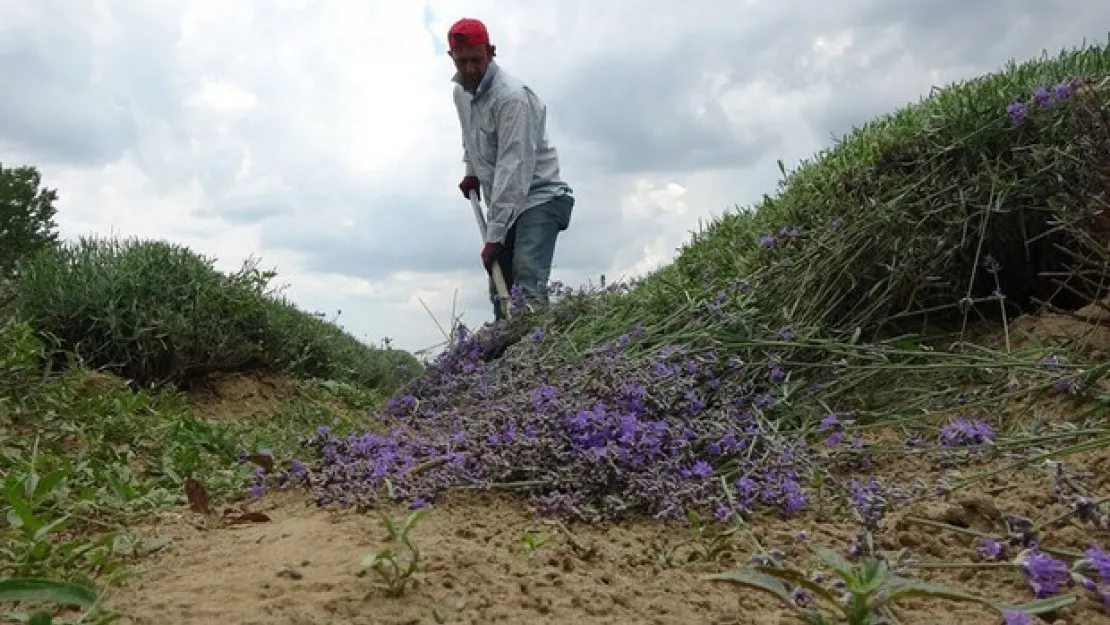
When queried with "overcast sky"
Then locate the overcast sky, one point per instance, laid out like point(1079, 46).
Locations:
point(320, 135)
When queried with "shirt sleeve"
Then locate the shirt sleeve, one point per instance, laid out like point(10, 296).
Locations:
point(466, 160)
point(458, 97)
point(516, 163)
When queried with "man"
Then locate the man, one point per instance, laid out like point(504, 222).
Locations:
point(510, 164)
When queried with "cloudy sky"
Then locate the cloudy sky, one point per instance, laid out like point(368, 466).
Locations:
point(320, 135)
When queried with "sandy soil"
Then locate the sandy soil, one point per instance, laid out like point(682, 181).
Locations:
point(302, 565)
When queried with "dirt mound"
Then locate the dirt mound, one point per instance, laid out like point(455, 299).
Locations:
point(240, 397)
point(1087, 331)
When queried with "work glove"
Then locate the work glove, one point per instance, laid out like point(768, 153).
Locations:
point(489, 255)
point(468, 184)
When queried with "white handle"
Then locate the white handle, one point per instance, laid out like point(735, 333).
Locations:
point(498, 277)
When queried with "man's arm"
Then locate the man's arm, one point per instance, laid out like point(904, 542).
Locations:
point(516, 162)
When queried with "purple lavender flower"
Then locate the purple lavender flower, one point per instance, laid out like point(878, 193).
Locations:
point(1063, 91)
point(802, 597)
point(516, 297)
point(722, 513)
point(991, 549)
point(1017, 618)
point(776, 373)
point(1017, 112)
point(960, 432)
point(1098, 559)
point(768, 241)
point(1044, 574)
point(544, 398)
point(1042, 97)
point(869, 501)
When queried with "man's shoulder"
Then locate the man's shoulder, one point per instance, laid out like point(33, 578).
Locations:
point(509, 85)
point(511, 90)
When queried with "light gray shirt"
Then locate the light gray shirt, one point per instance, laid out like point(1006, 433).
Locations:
point(505, 144)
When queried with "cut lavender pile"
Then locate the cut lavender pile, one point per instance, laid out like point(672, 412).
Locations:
point(617, 434)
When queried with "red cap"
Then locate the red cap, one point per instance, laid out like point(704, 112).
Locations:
point(467, 32)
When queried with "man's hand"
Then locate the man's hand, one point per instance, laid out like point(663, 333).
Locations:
point(468, 184)
point(489, 255)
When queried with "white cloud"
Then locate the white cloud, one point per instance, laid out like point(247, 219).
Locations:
point(320, 134)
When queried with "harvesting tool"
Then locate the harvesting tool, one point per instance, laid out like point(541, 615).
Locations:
point(495, 271)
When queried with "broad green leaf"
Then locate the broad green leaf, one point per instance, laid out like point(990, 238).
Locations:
point(757, 580)
point(1040, 606)
point(874, 576)
point(899, 588)
point(42, 533)
point(412, 520)
point(27, 518)
point(833, 559)
point(799, 579)
point(48, 482)
point(36, 589)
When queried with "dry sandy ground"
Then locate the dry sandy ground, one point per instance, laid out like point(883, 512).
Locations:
point(302, 566)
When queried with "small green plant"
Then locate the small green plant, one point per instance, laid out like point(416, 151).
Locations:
point(869, 591)
point(30, 545)
point(397, 565)
point(42, 590)
point(533, 540)
point(706, 543)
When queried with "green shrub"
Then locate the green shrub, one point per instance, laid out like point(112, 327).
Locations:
point(898, 222)
point(20, 355)
point(156, 312)
point(317, 348)
point(942, 211)
point(26, 216)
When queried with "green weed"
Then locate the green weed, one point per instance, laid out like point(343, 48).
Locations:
point(534, 540)
point(707, 542)
point(398, 565)
point(869, 591)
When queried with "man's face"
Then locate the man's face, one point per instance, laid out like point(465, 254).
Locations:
point(471, 63)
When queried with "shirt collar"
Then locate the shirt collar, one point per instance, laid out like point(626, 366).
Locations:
point(487, 80)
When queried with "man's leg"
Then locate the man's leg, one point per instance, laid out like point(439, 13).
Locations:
point(505, 261)
point(537, 230)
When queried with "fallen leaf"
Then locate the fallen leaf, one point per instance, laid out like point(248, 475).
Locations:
point(197, 496)
point(263, 460)
point(290, 573)
point(249, 517)
point(156, 544)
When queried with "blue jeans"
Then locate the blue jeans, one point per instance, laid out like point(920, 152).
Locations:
point(529, 248)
